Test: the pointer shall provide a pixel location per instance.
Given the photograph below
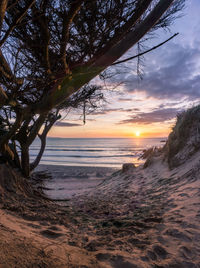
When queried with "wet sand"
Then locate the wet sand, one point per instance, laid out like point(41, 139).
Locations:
point(69, 181)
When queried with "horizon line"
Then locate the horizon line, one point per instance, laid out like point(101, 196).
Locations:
point(138, 138)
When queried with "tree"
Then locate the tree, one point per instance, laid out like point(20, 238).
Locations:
point(51, 49)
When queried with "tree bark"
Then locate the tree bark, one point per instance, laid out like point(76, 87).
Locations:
point(36, 128)
point(42, 137)
point(75, 7)
point(3, 97)
point(16, 155)
point(3, 6)
point(25, 164)
point(40, 154)
point(5, 138)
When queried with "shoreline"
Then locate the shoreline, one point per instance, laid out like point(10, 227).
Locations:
point(66, 182)
point(110, 153)
point(52, 167)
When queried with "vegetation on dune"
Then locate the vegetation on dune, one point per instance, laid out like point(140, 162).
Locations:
point(184, 140)
point(51, 49)
point(148, 154)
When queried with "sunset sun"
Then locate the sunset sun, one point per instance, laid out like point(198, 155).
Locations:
point(137, 133)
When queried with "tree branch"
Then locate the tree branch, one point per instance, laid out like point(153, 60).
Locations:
point(16, 21)
point(83, 74)
point(45, 35)
point(35, 129)
point(52, 120)
point(5, 138)
point(4, 67)
point(133, 37)
point(75, 7)
point(3, 6)
point(145, 52)
point(3, 97)
point(143, 5)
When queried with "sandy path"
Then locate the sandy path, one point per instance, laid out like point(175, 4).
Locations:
point(146, 219)
point(142, 218)
point(38, 244)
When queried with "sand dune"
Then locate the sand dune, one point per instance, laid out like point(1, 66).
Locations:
point(140, 218)
point(147, 218)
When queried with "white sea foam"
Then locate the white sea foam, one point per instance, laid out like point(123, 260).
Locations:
point(93, 152)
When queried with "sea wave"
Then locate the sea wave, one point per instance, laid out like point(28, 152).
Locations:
point(88, 156)
point(92, 152)
point(86, 150)
point(116, 164)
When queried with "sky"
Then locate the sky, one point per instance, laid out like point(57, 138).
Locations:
point(146, 108)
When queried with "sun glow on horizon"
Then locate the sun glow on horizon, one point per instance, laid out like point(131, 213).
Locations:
point(137, 133)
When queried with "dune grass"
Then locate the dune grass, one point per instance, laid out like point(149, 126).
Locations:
point(186, 132)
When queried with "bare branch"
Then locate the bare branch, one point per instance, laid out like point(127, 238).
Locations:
point(122, 31)
point(4, 67)
point(16, 21)
point(3, 6)
point(134, 36)
point(145, 52)
point(83, 74)
point(3, 97)
point(67, 20)
point(35, 129)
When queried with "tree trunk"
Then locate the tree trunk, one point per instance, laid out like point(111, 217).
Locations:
point(7, 153)
point(52, 119)
point(25, 165)
point(8, 135)
point(40, 154)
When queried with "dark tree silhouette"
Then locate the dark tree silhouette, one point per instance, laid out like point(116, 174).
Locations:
point(51, 49)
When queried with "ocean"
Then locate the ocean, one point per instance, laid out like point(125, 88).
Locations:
point(99, 152)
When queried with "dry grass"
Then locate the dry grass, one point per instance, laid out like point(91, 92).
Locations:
point(184, 140)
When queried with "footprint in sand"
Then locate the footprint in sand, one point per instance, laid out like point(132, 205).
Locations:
point(151, 255)
point(160, 252)
point(157, 252)
point(186, 252)
point(51, 234)
point(138, 243)
point(116, 261)
point(54, 228)
point(34, 226)
point(177, 234)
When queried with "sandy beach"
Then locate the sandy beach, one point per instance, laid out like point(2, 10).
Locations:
point(139, 218)
point(99, 134)
point(69, 181)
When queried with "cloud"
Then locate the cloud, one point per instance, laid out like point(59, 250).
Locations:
point(111, 110)
point(125, 99)
point(106, 111)
point(158, 115)
point(66, 124)
point(172, 71)
point(169, 104)
point(179, 78)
